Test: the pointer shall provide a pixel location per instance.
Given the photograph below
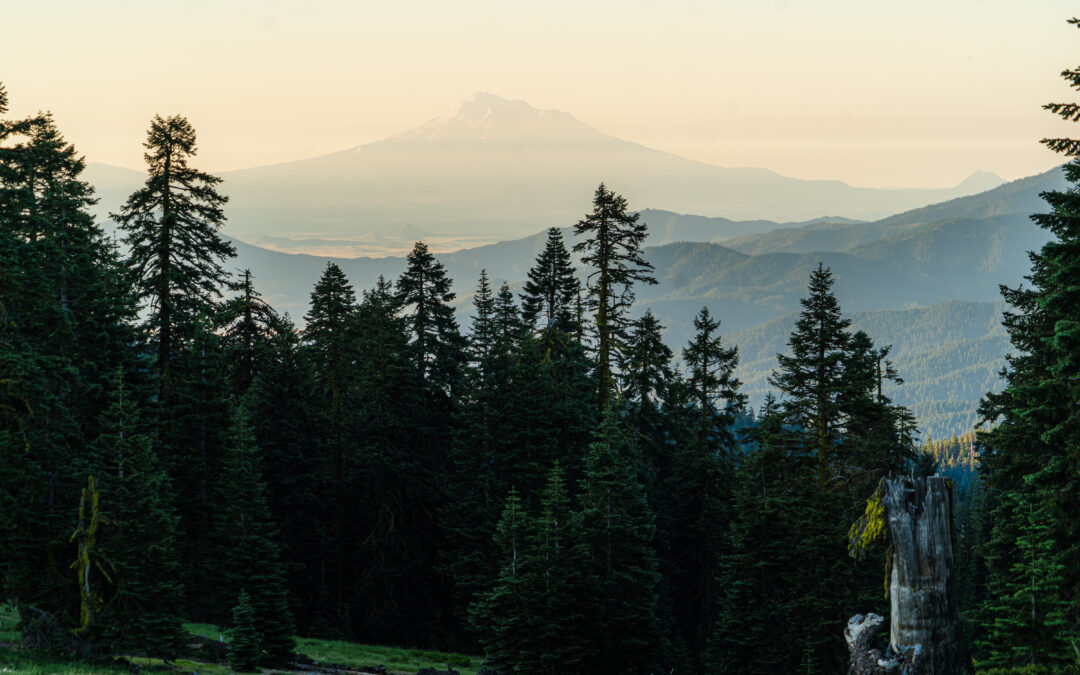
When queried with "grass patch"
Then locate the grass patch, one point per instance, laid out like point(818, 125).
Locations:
point(9, 623)
point(32, 663)
point(349, 654)
point(396, 660)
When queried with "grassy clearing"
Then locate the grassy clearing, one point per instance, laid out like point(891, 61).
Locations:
point(396, 660)
point(9, 623)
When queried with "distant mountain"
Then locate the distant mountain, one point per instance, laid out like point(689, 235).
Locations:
point(503, 169)
point(1019, 197)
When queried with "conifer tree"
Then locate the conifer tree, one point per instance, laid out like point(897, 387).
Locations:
point(648, 362)
point(560, 589)
point(551, 287)
point(1030, 461)
point(698, 488)
point(250, 556)
point(398, 584)
point(612, 247)
point(288, 432)
point(424, 292)
point(499, 616)
point(64, 314)
point(244, 646)
point(172, 225)
point(1028, 624)
point(331, 339)
point(247, 321)
point(139, 537)
point(482, 333)
point(617, 524)
point(647, 376)
point(811, 377)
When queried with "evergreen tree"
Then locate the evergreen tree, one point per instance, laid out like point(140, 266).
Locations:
point(172, 228)
point(559, 589)
point(698, 488)
point(499, 616)
point(249, 552)
point(1030, 464)
point(1029, 624)
point(424, 292)
point(64, 329)
point(648, 363)
point(551, 287)
point(811, 377)
point(617, 524)
point(139, 538)
point(612, 247)
point(244, 647)
point(248, 322)
point(398, 585)
point(647, 376)
point(331, 339)
point(288, 426)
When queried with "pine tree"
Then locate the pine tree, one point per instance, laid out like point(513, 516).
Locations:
point(612, 247)
point(424, 292)
point(811, 377)
point(248, 321)
point(64, 329)
point(698, 488)
point(288, 428)
point(647, 376)
point(244, 646)
point(331, 338)
point(551, 287)
point(499, 616)
point(1029, 624)
point(172, 225)
point(559, 589)
point(482, 334)
point(250, 556)
point(648, 362)
point(139, 536)
point(617, 524)
point(1030, 463)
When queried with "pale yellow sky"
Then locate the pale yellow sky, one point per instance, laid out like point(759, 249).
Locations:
point(905, 93)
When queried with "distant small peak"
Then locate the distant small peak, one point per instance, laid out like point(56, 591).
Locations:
point(980, 181)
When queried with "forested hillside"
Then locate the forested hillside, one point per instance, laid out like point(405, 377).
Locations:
point(908, 265)
point(632, 460)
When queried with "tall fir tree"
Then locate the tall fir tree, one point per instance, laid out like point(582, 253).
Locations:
point(248, 321)
point(811, 377)
point(617, 525)
point(65, 316)
point(139, 537)
point(612, 243)
point(548, 295)
point(698, 486)
point(249, 554)
point(1030, 465)
point(331, 339)
point(288, 424)
point(176, 252)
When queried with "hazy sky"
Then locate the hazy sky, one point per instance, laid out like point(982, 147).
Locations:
point(872, 92)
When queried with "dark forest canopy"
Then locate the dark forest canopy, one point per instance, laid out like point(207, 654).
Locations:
point(551, 485)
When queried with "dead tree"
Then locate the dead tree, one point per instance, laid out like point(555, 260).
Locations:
point(914, 517)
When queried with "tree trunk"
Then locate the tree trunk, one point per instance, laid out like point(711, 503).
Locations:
point(918, 513)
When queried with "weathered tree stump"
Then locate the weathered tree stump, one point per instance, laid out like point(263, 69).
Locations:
point(914, 516)
point(918, 514)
